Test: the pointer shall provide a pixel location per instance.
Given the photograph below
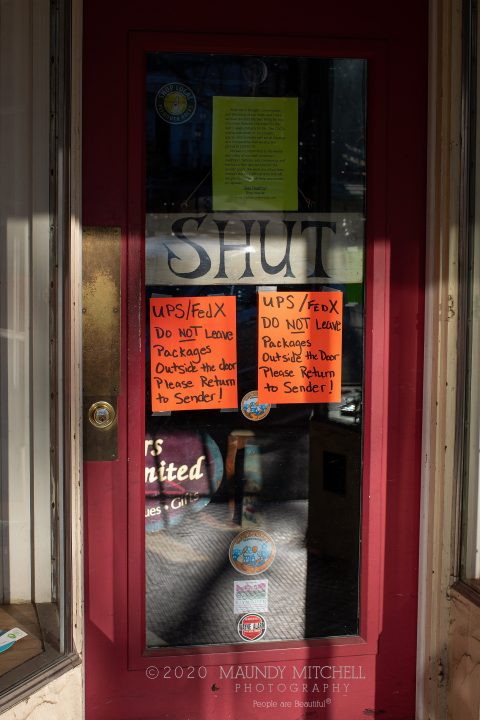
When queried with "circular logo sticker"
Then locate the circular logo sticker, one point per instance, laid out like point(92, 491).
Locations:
point(252, 627)
point(252, 409)
point(175, 103)
point(182, 472)
point(252, 552)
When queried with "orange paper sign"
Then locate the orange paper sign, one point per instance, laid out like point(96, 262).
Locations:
point(299, 347)
point(193, 353)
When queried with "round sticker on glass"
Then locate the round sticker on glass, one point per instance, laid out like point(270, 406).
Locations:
point(252, 627)
point(252, 409)
point(175, 103)
point(252, 552)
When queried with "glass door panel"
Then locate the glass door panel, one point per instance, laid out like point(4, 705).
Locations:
point(254, 283)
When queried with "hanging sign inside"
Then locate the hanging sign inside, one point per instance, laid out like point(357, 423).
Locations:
point(299, 347)
point(193, 353)
point(183, 470)
point(252, 248)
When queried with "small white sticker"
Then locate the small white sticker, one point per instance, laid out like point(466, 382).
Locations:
point(250, 596)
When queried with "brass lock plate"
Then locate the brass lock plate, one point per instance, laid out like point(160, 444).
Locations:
point(101, 341)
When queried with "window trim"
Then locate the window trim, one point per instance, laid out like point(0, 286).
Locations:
point(65, 336)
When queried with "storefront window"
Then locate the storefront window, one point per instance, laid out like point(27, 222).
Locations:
point(255, 226)
point(33, 609)
point(470, 545)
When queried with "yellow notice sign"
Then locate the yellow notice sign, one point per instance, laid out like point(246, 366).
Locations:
point(255, 153)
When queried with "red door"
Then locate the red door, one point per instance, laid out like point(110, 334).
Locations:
point(251, 550)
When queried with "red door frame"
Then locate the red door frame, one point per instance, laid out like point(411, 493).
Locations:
point(117, 686)
point(377, 282)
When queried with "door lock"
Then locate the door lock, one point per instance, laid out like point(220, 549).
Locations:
point(102, 415)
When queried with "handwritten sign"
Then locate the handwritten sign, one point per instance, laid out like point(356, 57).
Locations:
point(299, 347)
point(193, 353)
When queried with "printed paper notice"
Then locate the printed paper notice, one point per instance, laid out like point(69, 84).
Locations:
point(255, 153)
point(299, 347)
point(193, 353)
point(250, 596)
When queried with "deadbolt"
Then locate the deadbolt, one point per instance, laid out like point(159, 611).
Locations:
point(102, 415)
